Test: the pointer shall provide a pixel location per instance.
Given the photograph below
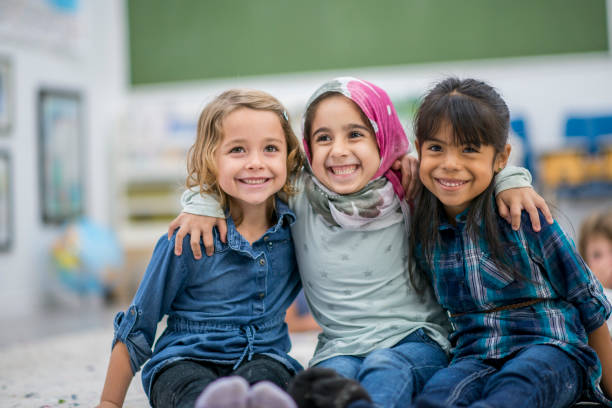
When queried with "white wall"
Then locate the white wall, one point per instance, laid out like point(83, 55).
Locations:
point(97, 71)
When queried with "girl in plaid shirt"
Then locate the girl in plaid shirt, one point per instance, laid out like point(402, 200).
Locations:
point(529, 317)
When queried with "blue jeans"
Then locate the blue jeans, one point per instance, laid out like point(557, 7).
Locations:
point(393, 376)
point(538, 376)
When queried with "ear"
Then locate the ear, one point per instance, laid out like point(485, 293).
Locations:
point(502, 159)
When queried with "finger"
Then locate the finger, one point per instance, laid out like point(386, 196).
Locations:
point(209, 242)
point(414, 168)
point(222, 228)
point(396, 165)
point(535, 218)
point(178, 242)
point(503, 209)
point(173, 225)
point(195, 245)
point(546, 212)
point(515, 216)
point(406, 177)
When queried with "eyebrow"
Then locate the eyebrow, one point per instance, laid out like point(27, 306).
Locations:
point(244, 140)
point(349, 126)
point(434, 139)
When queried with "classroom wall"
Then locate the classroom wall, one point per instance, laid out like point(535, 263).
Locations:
point(95, 67)
point(543, 89)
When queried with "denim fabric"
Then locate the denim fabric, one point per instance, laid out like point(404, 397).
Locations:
point(393, 376)
point(468, 283)
point(222, 309)
point(179, 384)
point(539, 376)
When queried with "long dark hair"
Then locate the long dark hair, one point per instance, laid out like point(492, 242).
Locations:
point(478, 116)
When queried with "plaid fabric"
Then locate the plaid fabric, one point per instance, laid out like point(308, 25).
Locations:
point(468, 282)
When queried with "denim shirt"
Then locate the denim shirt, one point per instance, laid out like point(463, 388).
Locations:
point(221, 309)
point(467, 282)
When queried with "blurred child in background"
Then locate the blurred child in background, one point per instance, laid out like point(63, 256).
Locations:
point(595, 245)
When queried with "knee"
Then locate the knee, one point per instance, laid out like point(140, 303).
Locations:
point(381, 358)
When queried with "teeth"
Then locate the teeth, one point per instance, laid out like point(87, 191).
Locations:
point(254, 181)
point(449, 183)
point(343, 169)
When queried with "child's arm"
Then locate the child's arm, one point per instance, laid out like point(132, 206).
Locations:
point(118, 377)
point(166, 276)
point(200, 214)
point(408, 165)
point(513, 193)
point(600, 341)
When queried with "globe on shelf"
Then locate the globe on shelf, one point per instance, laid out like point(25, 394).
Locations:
point(85, 256)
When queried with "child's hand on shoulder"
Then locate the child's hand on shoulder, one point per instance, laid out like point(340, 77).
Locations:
point(511, 202)
point(409, 167)
point(198, 226)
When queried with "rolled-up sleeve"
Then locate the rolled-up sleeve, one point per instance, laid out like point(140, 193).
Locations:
point(512, 177)
point(195, 203)
point(164, 278)
point(572, 277)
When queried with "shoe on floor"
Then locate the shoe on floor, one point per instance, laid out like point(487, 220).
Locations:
point(226, 392)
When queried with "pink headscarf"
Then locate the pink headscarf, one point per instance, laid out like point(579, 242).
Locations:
point(376, 105)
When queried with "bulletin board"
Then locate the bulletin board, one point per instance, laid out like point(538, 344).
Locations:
point(204, 39)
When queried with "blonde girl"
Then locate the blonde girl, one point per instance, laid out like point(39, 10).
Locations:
point(225, 312)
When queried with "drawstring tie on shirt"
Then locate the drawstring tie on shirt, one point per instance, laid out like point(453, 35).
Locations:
point(248, 350)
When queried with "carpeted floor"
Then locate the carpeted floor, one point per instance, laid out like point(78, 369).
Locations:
point(69, 370)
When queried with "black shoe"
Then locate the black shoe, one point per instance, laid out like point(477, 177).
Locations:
point(324, 388)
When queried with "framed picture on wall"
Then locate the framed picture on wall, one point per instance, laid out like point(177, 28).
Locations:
point(61, 151)
point(6, 95)
point(6, 216)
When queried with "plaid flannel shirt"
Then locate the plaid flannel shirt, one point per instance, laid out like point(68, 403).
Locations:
point(571, 300)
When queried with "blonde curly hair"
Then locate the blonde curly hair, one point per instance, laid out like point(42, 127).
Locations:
point(201, 163)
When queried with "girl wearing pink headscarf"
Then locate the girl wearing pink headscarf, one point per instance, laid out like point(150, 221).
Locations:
point(351, 245)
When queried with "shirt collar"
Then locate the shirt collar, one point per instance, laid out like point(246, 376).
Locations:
point(461, 218)
point(235, 241)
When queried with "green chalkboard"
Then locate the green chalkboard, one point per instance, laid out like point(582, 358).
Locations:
point(202, 39)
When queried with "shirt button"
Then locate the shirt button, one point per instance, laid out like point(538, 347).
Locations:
point(262, 295)
point(262, 262)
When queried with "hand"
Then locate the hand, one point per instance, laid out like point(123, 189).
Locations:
point(409, 167)
point(511, 202)
point(197, 226)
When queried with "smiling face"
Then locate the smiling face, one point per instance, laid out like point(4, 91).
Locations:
point(344, 151)
point(252, 157)
point(456, 174)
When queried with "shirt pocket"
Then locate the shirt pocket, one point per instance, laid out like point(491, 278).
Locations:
point(491, 274)
point(281, 255)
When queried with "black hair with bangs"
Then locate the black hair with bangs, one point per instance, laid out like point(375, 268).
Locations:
point(478, 116)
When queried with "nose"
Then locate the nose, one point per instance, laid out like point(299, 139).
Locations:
point(255, 161)
point(451, 161)
point(338, 148)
